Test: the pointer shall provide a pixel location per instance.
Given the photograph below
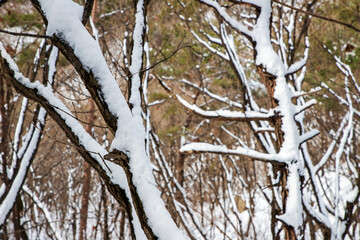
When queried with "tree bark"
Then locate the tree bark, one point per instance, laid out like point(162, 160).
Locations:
point(270, 83)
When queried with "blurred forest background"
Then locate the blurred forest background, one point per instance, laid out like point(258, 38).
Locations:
point(209, 195)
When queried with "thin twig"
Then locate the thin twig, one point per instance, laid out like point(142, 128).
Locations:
point(318, 16)
point(76, 117)
point(25, 34)
point(178, 48)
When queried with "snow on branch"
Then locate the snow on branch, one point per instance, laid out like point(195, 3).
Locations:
point(8, 203)
point(137, 58)
point(23, 157)
point(213, 95)
point(227, 114)
point(305, 106)
point(211, 49)
point(303, 93)
point(45, 211)
point(240, 151)
point(340, 99)
point(296, 66)
point(235, 24)
point(309, 135)
point(211, 39)
point(221, 114)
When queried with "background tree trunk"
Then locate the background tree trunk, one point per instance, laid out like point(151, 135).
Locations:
point(87, 178)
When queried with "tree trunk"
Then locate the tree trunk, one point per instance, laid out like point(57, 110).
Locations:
point(270, 83)
point(87, 178)
point(20, 232)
